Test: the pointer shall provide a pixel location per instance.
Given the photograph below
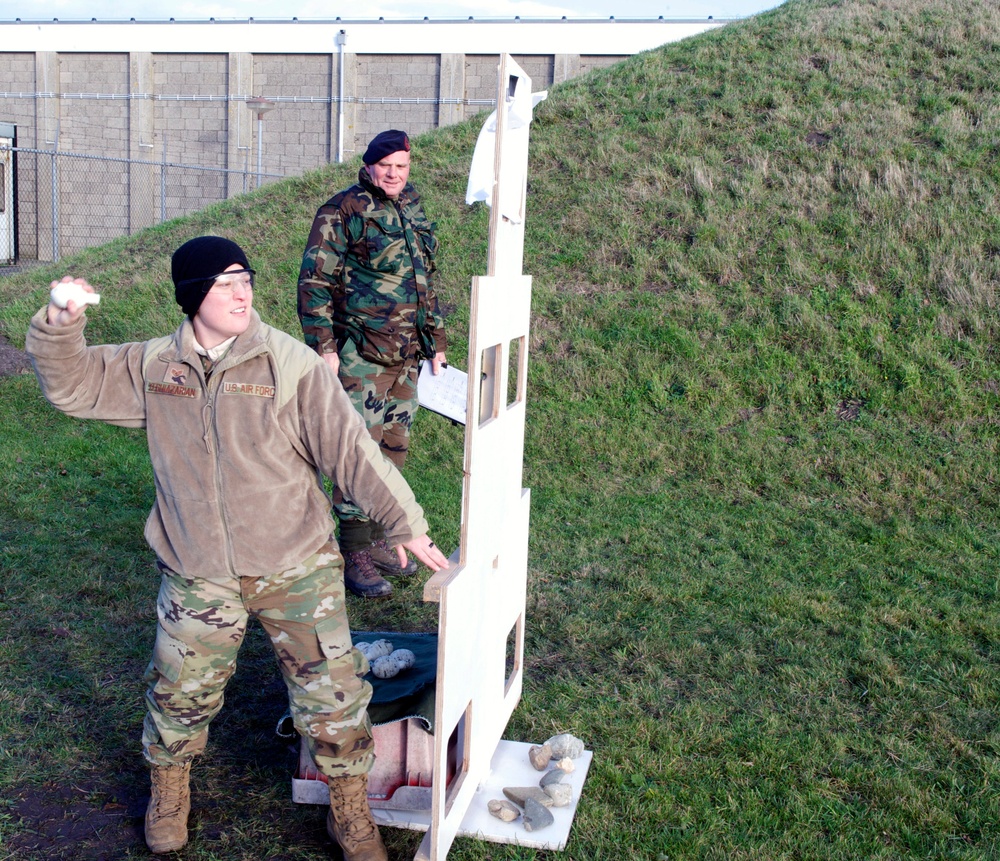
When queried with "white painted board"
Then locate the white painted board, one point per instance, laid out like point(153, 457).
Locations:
point(510, 766)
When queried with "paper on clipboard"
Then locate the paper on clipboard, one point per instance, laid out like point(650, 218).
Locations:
point(445, 392)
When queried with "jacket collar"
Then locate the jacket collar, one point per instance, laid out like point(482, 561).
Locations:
point(247, 344)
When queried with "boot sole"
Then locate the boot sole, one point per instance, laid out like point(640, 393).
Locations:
point(333, 836)
point(361, 593)
point(170, 848)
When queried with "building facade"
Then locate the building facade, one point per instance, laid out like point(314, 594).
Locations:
point(117, 126)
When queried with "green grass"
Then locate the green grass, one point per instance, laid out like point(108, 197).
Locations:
point(762, 447)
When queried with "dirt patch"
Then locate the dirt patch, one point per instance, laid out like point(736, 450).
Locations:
point(12, 360)
point(80, 821)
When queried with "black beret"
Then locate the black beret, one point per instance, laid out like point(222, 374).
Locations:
point(386, 143)
point(195, 265)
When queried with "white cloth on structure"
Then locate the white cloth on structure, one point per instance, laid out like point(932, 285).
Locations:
point(519, 107)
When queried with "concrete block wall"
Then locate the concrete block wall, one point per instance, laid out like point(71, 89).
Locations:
point(17, 71)
point(190, 130)
point(98, 126)
point(412, 79)
point(150, 119)
point(299, 135)
point(590, 63)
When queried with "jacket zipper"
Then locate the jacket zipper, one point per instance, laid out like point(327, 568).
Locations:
point(210, 413)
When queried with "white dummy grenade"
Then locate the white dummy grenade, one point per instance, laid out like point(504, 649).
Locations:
point(64, 291)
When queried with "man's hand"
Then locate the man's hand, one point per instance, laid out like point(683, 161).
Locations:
point(438, 362)
point(333, 360)
point(425, 550)
point(57, 316)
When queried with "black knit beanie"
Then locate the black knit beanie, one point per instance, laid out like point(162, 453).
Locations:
point(386, 143)
point(195, 265)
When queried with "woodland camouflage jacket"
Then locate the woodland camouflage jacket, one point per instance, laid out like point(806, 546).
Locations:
point(368, 274)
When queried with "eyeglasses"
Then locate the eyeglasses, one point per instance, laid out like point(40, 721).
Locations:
point(226, 282)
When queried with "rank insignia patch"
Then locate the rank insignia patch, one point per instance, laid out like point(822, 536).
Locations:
point(176, 374)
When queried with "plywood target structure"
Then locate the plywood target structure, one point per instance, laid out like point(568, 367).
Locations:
point(482, 595)
point(482, 599)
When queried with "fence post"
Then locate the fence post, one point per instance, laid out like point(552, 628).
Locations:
point(163, 183)
point(141, 132)
point(55, 195)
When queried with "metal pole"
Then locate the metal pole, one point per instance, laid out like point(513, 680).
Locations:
point(260, 145)
point(259, 105)
point(342, 42)
point(55, 197)
point(163, 183)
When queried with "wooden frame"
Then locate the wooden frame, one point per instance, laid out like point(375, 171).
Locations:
point(482, 598)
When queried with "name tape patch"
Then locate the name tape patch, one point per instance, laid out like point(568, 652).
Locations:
point(171, 389)
point(248, 389)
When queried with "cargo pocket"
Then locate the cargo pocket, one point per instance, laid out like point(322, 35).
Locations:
point(428, 241)
point(335, 644)
point(168, 655)
point(386, 246)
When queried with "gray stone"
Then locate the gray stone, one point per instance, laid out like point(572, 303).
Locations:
point(556, 775)
point(565, 745)
point(503, 809)
point(560, 793)
point(520, 795)
point(536, 816)
point(540, 756)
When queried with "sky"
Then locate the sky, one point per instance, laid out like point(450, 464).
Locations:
point(202, 10)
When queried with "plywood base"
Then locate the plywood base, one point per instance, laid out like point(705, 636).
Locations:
point(510, 767)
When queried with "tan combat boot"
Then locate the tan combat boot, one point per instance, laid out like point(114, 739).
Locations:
point(169, 806)
point(350, 820)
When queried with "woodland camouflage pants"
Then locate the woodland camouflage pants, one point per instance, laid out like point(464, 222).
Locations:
point(386, 397)
point(302, 610)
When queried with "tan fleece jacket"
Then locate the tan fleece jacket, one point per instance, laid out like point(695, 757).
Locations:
point(237, 458)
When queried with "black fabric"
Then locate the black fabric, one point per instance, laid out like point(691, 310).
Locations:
point(386, 143)
point(195, 264)
point(407, 695)
point(419, 706)
point(411, 692)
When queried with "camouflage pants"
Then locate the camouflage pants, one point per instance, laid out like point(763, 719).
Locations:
point(302, 610)
point(386, 397)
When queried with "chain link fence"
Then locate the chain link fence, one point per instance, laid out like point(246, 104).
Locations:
point(70, 201)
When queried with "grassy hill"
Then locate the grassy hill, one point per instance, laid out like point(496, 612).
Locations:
point(762, 447)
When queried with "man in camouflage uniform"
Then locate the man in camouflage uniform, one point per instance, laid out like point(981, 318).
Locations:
point(367, 305)
point(240, 417)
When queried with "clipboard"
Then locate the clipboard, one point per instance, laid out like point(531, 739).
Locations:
point(445, 393)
